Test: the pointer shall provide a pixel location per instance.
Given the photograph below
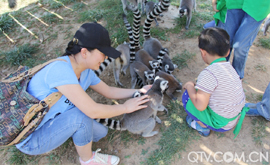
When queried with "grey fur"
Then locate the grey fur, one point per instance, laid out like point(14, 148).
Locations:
point(143, 121)
point(185, 8)
point(147, 60)
point(153, 47)
point(167, 65)
point(139, 70)
point(173, 85)
point(133, 3)
point(121, 63)
point(149, 6)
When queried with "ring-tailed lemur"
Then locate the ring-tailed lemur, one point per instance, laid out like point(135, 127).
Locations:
point(149, 6)
point(143, 121)
point(140, 71)
point(121, 63)
point(152, 45)
point(185, 8)
point(135, 3)
point(134, 34)
point(265, 26)
point(147, 60)
point(173, 85)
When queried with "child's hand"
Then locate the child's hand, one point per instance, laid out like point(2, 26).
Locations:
point(189, 83)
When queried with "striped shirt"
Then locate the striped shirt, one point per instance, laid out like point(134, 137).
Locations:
point(227, 95)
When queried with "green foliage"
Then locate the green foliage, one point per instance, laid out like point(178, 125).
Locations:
point(6, 22)
point(17, 157)
point(78, 6)
point(258, 129)
point(90, 15)
point(181, 59)
point(260, 67)
point(175, 138)
point(51, 18)
point(265, 42)
point(159, 33)
point(19, 55)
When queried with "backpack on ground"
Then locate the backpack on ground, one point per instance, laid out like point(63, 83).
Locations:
point(20, 112)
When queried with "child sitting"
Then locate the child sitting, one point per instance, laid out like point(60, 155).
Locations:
point(216, 101)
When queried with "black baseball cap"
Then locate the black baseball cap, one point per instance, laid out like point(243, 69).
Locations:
point(93, 35)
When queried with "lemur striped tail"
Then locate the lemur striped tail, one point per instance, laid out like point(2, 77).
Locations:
point(153, 14)
point(136, 27)
point(103, 66)
point(110, 123)
point(131, 40)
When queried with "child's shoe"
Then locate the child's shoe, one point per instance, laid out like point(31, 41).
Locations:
point(101, 159)
point(193, 124)
point(252, 109)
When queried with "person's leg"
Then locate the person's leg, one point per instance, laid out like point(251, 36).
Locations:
point(233, 21)
point(242, 41)
point(261, 108)
point(209, 24)
point(72, 123)
point(264, 106)
point(221, 25)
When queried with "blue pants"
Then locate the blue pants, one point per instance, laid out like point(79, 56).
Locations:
point(72, 123)
point(263, 107)
point(243, 30)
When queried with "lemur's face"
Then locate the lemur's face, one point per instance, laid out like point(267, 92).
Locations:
point(164, 85)
point(168, 69)
point(155, 64)
point(182, 12)
point(150, 76)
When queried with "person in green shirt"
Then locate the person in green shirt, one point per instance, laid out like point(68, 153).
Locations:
point(219, 6)
point(242, 23)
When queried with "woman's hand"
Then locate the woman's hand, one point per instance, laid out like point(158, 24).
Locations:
point(189, 83)
point(136, 103)
point(145, 88)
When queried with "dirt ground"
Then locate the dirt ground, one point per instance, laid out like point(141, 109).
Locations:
point(206, 150)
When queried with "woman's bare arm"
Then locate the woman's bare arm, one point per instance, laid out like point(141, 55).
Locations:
point(116, 93)
point(88, 106)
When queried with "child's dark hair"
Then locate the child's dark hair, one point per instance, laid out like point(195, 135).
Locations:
point(215, 41)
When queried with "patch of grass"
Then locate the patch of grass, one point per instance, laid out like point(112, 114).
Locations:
point(145, 151)
point(159, 33)
point(206, 16)
point(205, 6)
point(258, 129)
point(51, 18)
point(6, 22)
point(90, 15)
point(19, 55)
point(219, 134)
point(265, 42)
point(181, 59)
point(260, 67)
point(191, 33)
point(17, 157)
point(78, 6)
point(175, 138)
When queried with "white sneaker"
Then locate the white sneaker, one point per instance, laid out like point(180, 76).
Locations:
point(101, 159)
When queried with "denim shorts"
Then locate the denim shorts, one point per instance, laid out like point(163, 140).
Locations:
point(72, 123)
